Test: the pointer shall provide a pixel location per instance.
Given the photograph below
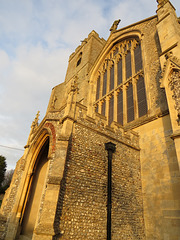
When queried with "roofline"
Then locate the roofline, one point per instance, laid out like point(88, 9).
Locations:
point(139, 22)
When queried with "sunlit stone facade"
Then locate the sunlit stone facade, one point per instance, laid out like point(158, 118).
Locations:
point(125, 91)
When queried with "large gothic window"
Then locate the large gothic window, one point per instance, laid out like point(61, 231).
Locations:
point(122, 83)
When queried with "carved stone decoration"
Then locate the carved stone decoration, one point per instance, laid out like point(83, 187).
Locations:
point(174, 84)
point(114, 26)
point(170, 77)
point(74, 85)
point(172, 62)
point(35, 122)
point(54, 102)
point(34, 126)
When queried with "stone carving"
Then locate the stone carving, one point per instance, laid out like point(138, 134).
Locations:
point(34, 126)
point(54, 102)
point(173, 79)
point(174, 85)
point(74, 85)
point(174, 61)
point(35, 122)
point(115, 25)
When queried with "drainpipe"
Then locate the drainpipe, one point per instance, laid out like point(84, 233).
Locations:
point(110, 147)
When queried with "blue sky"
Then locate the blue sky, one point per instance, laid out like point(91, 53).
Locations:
point(36, 39)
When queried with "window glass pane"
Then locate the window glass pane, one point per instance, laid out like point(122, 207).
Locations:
point(98, 88)
point(138, 58)
point(112, 78)
point(119, 71)
point(120, 108)
point(141, 94)
point(96, 109)
point(78, 62)
point(103, 110)
point(111, 109)
point(130, 103)
point(104, 83)
point(128, 65)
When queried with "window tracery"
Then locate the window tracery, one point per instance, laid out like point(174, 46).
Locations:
point(120, 87)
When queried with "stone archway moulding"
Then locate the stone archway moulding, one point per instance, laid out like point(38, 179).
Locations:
point(32, 151)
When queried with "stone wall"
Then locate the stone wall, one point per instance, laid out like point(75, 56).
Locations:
point(82, 211)
point(160, 180)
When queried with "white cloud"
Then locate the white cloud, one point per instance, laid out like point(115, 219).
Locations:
point(36, 39)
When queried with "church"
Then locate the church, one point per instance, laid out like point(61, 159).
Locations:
point(104, 163)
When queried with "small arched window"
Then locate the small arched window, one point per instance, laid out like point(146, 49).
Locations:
point(122, 83)
point(79, 59)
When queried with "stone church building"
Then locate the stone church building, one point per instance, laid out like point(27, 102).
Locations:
point(104, 162)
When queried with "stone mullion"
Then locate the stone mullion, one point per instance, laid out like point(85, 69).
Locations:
point(108, 80)
point(124, 89)
point(115, 74)
point(136, 112)
point(115, 106)
point(99, 107)
point(107, 108)
point(134, 81)
point(101, 85)
point(124, 104)
point(123, 68)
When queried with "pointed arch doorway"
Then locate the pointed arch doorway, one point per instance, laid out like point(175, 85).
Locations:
point(37, 185)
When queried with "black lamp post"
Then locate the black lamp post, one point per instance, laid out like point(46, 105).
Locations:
point(110, 147)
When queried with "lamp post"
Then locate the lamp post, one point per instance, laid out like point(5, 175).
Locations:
point(110, 147)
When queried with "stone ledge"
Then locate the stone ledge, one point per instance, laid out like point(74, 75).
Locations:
point(54, 180)
point(176, 134)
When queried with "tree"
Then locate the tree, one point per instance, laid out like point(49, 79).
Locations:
point(7, 179)
point(3, 166)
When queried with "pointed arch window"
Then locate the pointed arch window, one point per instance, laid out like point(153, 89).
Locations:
point(79, 59)
point(124, 81)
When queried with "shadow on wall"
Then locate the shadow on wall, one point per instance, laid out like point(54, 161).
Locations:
point(127, 204)
point(59, 209)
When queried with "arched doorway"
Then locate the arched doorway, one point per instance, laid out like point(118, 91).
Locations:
point(35, 192)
